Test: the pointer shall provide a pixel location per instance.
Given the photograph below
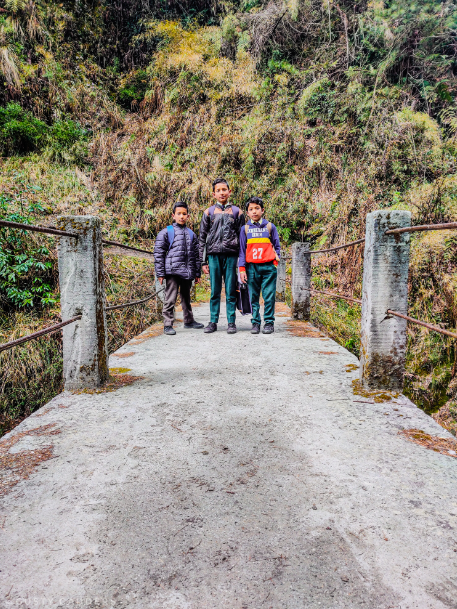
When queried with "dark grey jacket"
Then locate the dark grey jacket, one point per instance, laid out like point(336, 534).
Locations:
point(219, 231)
point(182, 259)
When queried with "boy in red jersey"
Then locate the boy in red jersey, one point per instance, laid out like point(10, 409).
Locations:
point(259, 255)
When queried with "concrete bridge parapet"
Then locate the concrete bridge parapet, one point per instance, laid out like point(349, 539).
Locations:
point(82, 292)
point(385, 286)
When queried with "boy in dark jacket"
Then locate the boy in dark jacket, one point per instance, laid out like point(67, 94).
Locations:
point(219, 231)
point(177, 260)
point(259, 255)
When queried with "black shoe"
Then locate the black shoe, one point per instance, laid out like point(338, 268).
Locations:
point(195, 325)
point(211, 327)
point(169, 330)
point(268, 329)
point(255, 329)
point(231, 329)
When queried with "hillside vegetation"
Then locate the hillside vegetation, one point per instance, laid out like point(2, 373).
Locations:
point(328, 110)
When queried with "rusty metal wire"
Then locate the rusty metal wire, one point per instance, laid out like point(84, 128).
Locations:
point(339, 247)
point(57, 327)
point(422, 227)
point(127, 247)
point(38, 229)
point(50, 330)
point(62, 233)
point(135, 302)
point(422, 323)
point(336, 296)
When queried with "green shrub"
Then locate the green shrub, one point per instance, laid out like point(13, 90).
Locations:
point(20, 131)
point(132, 89)
point(67, 142)
point(25, 267)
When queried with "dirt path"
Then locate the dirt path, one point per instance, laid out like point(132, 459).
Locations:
point(237, 472)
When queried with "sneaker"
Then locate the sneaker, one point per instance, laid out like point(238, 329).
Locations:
point(255, 329)
point(195, 325)
point(169, 330)
point(211, 327)
point(231, 329)
point(268, 329)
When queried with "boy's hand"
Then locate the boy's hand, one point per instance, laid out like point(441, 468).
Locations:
point(243, 277)
point(205, 269)
point(160, 280)
point(197, 279)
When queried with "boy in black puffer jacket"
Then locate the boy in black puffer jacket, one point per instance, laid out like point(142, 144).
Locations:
point(177, 260)
point(219, 238)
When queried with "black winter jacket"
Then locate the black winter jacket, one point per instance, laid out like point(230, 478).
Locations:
point(219, 231)
point(182, 259)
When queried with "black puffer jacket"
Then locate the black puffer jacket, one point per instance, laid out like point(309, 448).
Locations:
point(182, 259)
point(219, 231)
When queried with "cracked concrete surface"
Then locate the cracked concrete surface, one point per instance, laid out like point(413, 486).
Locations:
point(229, 478)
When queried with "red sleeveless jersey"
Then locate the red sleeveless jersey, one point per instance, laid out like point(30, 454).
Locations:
point(259, 247)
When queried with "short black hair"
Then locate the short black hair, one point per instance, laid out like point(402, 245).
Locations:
point(180, 204)
point(220, 181)
point(256, 200)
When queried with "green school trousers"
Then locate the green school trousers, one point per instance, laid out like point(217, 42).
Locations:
point(262, 279)
point(223, 267)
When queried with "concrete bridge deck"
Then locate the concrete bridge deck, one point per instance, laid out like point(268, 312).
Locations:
point(238, 472)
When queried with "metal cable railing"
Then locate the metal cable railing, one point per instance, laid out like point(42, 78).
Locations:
point(134, 302)
point(338, 247)
point(59, 326)
point(422, 323)
point(43, 332)
point(313, 291)
point(423, 227)
point(62, 233)
point(38, 229)
point(393, 231)
point(126, 247)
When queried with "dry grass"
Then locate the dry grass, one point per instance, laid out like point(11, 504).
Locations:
point(378, 396)
point(18, 466)
point(303, 329)
point(115, 382)
point(151, 332)
point(444, 446)
point(447, 416)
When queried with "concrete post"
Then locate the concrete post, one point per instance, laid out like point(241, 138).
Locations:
point(82, 292)
point(301, 281)
point(281, 279)
point(385, 286)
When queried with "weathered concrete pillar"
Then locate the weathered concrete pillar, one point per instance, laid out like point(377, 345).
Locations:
point(301, 281)
point(281, 279)
point(82, 292)
point(385, 286)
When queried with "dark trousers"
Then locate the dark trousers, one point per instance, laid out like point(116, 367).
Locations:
point(223, 267)
point(174, 283)
point(262, 278)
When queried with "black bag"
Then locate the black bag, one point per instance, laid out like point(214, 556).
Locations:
point(243, 300)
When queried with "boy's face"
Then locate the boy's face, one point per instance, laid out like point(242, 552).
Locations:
point(255, 212)
point(180, 215)
point(222, 193)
